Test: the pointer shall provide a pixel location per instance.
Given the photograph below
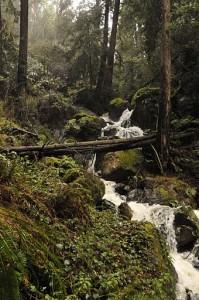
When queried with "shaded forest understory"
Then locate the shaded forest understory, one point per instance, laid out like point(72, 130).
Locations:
point(59, 239)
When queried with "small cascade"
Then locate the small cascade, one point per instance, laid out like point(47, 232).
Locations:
point(163, 218)
point(110, 194)
point(186, 264)
point(121, 128)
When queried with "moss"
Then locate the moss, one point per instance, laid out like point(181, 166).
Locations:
point(174, 192)
point(117, 102)
point(92, 121)
point(72, 128)
point(146, 102)
point(65, 162)
point(71, 175)
point(145, 92)
point(93, 185)
point(84, 127)
point(130, 158)
point(69, 203)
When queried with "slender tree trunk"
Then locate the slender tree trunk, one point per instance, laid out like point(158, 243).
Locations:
point(109, 72)
point(1, 40)
point(90, 63)
point(165, 85)
point(23, 48)
point(103, 59)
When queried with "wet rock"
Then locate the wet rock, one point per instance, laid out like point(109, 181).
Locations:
point(120, 165)
point(162, 190)
point(105, 204)
point(122, 189)
point(125, 211)
point(146, 107)
point(110, 131)
point(185, 237)
point(117, 106)
point(143, 196)
point(186, 227)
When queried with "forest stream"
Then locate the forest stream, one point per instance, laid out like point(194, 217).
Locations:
point(161, 216)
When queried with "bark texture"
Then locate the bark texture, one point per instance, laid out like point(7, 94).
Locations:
point(23, 47)
point(103, 59)
point(165, 85)
point(105, 77)
point(111, 53)
point(1, 40)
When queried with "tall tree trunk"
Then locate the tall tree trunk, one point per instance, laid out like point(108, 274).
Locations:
point(103, 59)
point(111, 53)
point(90, 64)
point(165, 85)
point(23, 48)
point(1, 40)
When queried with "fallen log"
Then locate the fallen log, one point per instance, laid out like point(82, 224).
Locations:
point(80, 147)
point(92, 146)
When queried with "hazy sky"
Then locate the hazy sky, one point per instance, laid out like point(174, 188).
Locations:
point(77, 2)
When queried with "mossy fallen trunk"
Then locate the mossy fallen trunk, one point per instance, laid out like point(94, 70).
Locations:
point(94, 146)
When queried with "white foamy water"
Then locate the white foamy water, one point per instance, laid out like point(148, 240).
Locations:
point(110, 194)
point(122, 128)
point(196, 213)
point(161, 216)
point(188, 278)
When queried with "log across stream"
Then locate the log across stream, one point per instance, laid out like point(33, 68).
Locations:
point(105, 145)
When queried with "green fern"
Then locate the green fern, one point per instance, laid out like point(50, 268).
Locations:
point(9, 284)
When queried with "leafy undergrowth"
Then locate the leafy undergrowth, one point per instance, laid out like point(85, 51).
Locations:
point(55, 245)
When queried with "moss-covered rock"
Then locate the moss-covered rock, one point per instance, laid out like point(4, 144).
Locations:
point(162, 190)
point(93, 185)
point(116, 108)
point(118, 166)
point(146, 102)
point(84, 127)
point(70, 203)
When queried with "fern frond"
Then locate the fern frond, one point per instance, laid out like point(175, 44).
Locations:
point(9, 285)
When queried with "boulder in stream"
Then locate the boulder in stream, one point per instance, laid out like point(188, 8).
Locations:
point(84, 127)
point(125, 211)
point(119, 166)
point(145, 113)
point(186, 227)
point(116, 108)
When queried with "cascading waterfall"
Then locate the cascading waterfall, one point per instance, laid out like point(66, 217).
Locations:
point(161, 216)
point(121, 128)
